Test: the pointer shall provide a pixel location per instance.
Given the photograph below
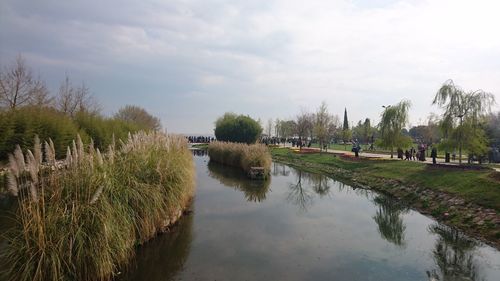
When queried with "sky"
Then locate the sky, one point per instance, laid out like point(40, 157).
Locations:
point(188, 62)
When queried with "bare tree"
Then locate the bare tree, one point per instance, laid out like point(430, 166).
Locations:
point(269, 128)
point(71, 100)
point(304, 125)
point(18, 87)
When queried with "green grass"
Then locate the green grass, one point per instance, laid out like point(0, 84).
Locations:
point(478, 186)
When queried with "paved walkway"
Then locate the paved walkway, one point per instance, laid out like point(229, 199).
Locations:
point(388, 156)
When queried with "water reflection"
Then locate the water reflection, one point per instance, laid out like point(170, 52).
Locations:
point(199, 152)
point(305, 186)
point(298, 195)
point(254, 190)
point(389, 220)
point(164, 256)
point(280, 170)
point(453, 254)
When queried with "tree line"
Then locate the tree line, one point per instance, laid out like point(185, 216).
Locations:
point(465, 124)
point(28, 108)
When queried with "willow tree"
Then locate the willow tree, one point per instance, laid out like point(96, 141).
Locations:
point(462, 115)
point(393, 120)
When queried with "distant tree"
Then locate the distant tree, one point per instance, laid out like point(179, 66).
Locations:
point(18, 87)
point(346, 122)
point(138, 116)
point(322, 125)
point(493, 128)
point(335, 129)
point(237, 128)
point(287, 128)
point(304, 125)
point(277, 124)
point(71, 100)
point(367, 130)
point(462, 114)
point(394, 118)
point(269, 128)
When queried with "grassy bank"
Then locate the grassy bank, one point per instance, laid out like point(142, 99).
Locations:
point(240, 155)
point(81, 219)
point(468, 199)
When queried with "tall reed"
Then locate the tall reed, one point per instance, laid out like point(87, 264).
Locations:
point(240, 155)
point(80, 219)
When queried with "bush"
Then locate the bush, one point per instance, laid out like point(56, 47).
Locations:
point(81, 220)
point(19, 127)
point(240, 155)
point(102, 130)
point(237, 128)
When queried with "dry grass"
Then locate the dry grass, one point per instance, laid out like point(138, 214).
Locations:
point(240, 155)
point(80, 220)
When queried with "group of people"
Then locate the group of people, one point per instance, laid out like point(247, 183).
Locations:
point(295, 142)
point(415, 154)
point(200, 139)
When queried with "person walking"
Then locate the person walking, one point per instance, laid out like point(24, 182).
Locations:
point(434, 155)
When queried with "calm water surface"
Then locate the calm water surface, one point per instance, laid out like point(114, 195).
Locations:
point(302, 226)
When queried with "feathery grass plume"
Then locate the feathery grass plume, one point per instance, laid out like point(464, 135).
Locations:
point(100, 160)
point(111, 154)
point(13, 167)
point(79, 145)
point(74, 153)
point(92, 147)
point(12, 184)
point(69, 158)
point(51, 143)
point(96, 195)
point(37, 150)
point(33, 166)
point(48, 151)
point(18, 155)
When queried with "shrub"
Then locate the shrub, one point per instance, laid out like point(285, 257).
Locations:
point(240, 155)
point(80, 220)
point(237, 128)
point(19, 127)
point(103, 130)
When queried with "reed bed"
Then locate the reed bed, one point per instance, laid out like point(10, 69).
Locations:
point(81, 218)
point(240, 155)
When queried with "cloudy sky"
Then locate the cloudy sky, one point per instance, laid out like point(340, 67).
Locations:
point(188, 61)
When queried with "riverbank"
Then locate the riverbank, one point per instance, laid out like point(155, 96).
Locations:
point(466, 199)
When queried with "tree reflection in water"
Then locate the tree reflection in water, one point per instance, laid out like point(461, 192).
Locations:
point(301, 195)
point(254, 190)
point(388, 218)
point(280, 170)
point(170, 250)
point(298, 195)
point(453, 254)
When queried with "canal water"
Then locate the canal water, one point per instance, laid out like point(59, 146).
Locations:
point(303, 226)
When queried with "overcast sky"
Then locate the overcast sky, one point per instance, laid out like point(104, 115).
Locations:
point(188, 62)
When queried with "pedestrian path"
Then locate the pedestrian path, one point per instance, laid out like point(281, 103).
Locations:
point(428, 160)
